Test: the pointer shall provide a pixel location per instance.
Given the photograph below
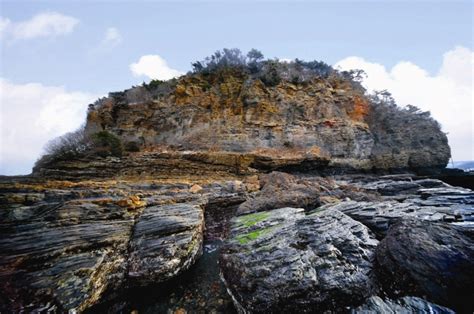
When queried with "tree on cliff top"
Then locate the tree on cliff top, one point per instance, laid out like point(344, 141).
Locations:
point(271, 71)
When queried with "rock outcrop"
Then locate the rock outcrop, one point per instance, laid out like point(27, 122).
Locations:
point(76, 245)
point(285, 261)
point(231, 121)
point(166, 240)
point(278, 169)
point(429, 259)
point(69, 246)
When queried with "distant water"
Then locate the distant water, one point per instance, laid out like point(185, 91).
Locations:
point(464, 165)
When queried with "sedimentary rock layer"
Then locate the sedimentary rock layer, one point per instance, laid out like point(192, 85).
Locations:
point(233, 122)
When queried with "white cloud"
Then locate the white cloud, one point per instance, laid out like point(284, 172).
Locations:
point(4, 26)
point(154, 67)
point(31, 115)
point(112, 37)
point(46, 24)
point(448, 95)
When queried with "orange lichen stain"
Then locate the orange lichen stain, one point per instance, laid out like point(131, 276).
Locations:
point(196, 188)
point(314, 150)
point(93, 116)
point(360, 109)
point(132, 202)
point(100, 202)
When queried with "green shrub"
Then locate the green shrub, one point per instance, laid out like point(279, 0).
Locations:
point(270, 75)
point(106, 144)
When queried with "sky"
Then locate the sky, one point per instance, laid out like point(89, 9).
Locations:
point(58, 56)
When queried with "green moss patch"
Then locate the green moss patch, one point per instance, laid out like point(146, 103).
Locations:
point(251, 236)
point(252, 219)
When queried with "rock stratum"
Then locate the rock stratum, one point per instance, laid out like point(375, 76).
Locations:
point(231, 121)
point(231, 191)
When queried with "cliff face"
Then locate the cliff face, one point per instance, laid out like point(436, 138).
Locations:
point(321, 122)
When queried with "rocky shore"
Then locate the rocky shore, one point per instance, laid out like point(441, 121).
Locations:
point(242, 189)
point(291, 242)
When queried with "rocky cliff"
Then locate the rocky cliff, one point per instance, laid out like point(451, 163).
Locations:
point(232, 119)
point(168, 201)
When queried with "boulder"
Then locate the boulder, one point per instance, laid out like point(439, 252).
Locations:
point(61, 266)
point(285, 261)
point(429, 259)
point(70, 246)
point(166, 241)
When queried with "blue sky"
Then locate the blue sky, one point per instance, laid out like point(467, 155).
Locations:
point(82, 60)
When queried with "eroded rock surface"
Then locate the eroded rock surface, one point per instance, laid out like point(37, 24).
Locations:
point(429, 259)
point(166, 241)
point(69, 246)
point(77, 245)
point(284, 260)
point(425, 199)
point(232, 122)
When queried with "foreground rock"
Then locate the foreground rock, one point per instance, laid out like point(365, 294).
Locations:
point(166, 241)
point(284, 261)
point(78, 245)
point(69, 246)
point(429, 259)
point(62, 265)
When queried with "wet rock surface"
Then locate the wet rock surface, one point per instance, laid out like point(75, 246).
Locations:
point(292, 242)
point(70, 246)
point(430, 259)
point(284, 260)
point(199, 290)
point(432, 255)
point(166, 241)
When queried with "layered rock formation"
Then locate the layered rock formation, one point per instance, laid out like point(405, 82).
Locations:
point(324, 260)
point(275, 178)
point(231, 120)
point(77, 245)
point(67, 246)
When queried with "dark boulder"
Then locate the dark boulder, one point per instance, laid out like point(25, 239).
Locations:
point(285, 261)
point(429, 259)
